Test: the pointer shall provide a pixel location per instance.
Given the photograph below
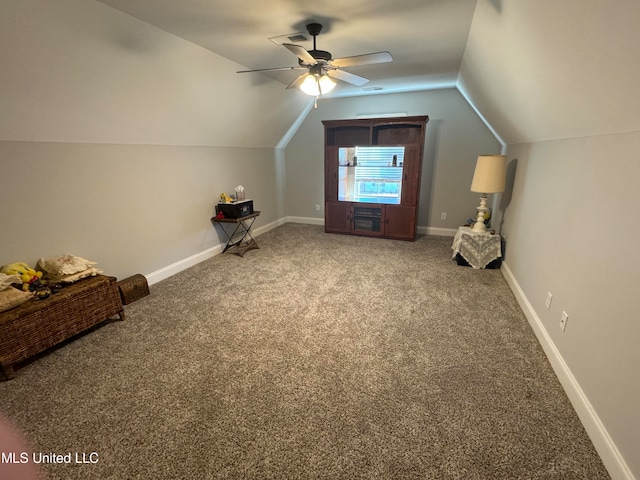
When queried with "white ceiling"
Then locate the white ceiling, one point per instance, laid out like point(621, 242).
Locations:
point(426, 38)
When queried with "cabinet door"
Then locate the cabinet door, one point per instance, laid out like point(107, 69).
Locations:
point(400, 222)
point(331, 174)
point(337, 217)
point(411, 175)
point(367, 219)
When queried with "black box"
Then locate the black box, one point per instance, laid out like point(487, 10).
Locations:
point(235, 209)
point(492, 265)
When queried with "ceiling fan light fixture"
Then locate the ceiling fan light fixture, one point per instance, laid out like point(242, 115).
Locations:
point(317, 85)
point(326, 84)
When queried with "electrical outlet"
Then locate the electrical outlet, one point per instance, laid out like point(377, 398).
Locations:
point(548, 302)
point(317, 207)
point(563, 320)
point(443, 216)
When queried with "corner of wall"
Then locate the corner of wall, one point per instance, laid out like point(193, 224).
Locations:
point(462, 89)
point(286, 138)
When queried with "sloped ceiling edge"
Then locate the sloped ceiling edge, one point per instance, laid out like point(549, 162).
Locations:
point(549, 70)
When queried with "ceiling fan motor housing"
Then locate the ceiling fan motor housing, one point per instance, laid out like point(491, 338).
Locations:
point(314, 30)
point(318, 55)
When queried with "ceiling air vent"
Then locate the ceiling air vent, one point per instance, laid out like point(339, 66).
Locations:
point(298, 37)
point(289, 38)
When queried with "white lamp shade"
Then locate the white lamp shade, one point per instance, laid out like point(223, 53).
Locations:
point(315, 86)
point(490, 174)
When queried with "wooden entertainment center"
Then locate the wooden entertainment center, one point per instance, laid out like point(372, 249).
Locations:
point(372, 175)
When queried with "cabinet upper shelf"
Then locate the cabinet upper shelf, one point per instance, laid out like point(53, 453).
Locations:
point(375, 131)
point(384, 167)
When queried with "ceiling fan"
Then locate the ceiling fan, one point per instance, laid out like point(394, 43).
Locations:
point(321, 68)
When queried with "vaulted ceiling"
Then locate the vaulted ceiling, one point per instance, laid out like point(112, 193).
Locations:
point(534, 70)
point(426, 37)
point(554, 70)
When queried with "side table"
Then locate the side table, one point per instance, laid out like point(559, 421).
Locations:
point(478, 249)
point(238, 239)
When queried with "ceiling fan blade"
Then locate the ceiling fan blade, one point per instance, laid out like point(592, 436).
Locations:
point(347, 77)
point(271, 69)
point(366, 59)
point(301, 53)
point(298, 81)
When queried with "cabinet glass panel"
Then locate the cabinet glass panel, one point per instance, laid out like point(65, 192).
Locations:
point(370, 174)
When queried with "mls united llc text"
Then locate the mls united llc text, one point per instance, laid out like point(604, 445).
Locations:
point(39, 457)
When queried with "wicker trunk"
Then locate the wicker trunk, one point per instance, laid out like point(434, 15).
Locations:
point(37, 325)
point(133, 288)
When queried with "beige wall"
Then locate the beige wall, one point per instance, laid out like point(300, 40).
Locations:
point(570, 230)
point(131, 208)
point(557, 82)
point(455, 137)
point(116, 139)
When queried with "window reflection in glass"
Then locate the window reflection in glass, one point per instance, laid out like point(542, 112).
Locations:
point(370, 174)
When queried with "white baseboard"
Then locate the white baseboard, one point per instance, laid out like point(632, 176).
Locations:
point(444, 232)
point(602, 441)
point(307, 220)
point(269, 226)
point(180, 265)
point(441, 232)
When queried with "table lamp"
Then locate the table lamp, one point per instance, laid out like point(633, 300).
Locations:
point(489, 177)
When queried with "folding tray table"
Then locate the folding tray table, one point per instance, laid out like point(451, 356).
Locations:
point(238, 239)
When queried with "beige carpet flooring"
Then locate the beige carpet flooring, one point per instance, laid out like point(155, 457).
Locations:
point(317, 356)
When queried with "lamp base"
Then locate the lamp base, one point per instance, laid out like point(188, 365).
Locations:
point(479, 226)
